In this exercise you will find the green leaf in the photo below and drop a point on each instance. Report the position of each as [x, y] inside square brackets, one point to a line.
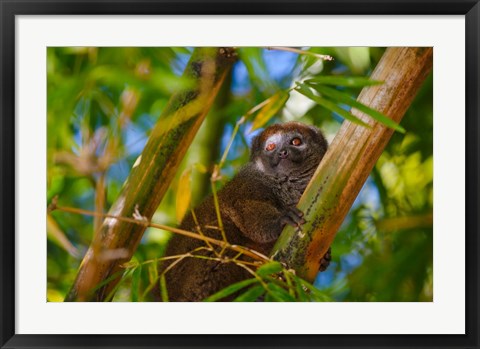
[347, 99]
[152, 278]
[304, 90]
[163, 288]
[269, 298]
[227, 291]
[302, 295]
[307, 62]
[269, 268]
[251, 295]
[55, 187]
[136, 283]
[314, 293]
[110, 296]
[276, 102]
[359, 58]
[153, 272]
[344, 81]
[279, 294]
[122, 274]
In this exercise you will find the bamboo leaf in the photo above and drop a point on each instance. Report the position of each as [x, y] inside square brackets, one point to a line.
[301, 292]
[288, 279]
[344, 81]
[121, 275]
[163, 288]
[303, 287]
[269, 298]
[269, 268]
[304, 90]
[315, 293]
[227, 291]
[277, 101]
[251, 295]
[153, 278]
[279, 294]
[111, 294]
[347, 99]
[153, 272]
[184, 194]
[137, 273]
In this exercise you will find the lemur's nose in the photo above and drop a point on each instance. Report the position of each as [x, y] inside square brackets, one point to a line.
[283, 153]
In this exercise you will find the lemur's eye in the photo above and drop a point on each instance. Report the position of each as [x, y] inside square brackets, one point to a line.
[296, 142]
[270, 146]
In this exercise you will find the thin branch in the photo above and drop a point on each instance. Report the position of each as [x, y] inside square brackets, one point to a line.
[248, 252]
[219, 216]
[301, 52]
[199, 230]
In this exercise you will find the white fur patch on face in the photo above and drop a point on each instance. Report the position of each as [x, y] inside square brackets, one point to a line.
[259, 165]
[275, 138]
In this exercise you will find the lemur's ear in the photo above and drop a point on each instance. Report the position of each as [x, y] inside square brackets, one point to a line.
[255, 146]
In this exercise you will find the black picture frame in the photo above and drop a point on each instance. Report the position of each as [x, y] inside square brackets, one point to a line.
[11, 8]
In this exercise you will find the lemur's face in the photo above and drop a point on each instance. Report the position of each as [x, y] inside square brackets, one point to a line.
[288, 149]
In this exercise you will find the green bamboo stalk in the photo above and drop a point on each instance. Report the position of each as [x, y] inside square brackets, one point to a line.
[151, 174]
[350, 159]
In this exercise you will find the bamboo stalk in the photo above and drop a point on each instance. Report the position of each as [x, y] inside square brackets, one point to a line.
[350, 159]
[152, 173]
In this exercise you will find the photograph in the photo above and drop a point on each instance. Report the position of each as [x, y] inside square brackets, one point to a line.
[239, 174]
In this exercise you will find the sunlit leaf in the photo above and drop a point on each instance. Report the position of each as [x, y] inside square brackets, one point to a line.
[359, 57]
[184, 194]
[347, 81]
[130, 265]
[269, 268]
[304, 90]
[356, 58]
[276, 102]
[227, 291]
[347, 99]
[54, 296]
[55, 185]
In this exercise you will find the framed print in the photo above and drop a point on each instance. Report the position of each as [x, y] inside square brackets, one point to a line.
[193, 174]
